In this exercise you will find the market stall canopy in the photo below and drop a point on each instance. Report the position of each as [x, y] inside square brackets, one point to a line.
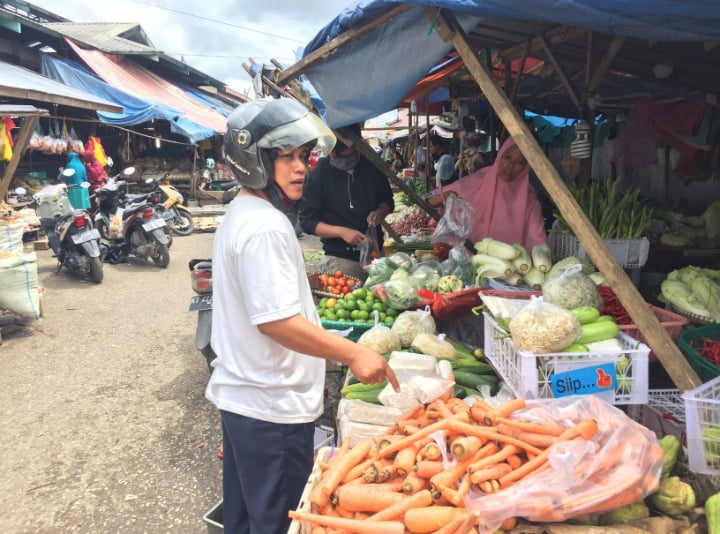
[21, 83]
[374, 72]
[122, 72]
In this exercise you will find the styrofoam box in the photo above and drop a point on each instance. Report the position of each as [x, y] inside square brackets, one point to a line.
[52, 200]
[629, 253]
[702, 413]
[529, 375]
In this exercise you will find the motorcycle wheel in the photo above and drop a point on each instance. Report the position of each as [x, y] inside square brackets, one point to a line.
[182, 222]
[96, 270]
[209, 356]
[102, 227]
[161, 256]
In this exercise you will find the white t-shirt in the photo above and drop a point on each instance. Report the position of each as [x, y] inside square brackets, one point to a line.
[259, 276]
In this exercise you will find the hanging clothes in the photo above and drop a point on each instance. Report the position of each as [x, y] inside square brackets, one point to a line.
[95, 144]
[6, 140]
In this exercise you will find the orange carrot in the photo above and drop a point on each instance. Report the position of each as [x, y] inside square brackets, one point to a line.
[487, 434]
[442, 424]
[456, 496]
[533, 438]
[420, 499]
[442, 408]
[428, 468]
[317, 529]
[432, 451]
[490, 473]
[339, 468]
[452, 526]
[514, 460]
[342, 512]
[357, 471]
[360, 526]
[383, 441]
[414, 483]
[468, 524]
[494, 458]
[465, 445]
[546, 427]
[504, 410]
[508, 524]
[431, 518]
[405, 460]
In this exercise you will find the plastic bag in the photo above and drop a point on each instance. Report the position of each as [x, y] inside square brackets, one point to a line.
[400, 293]
[459, 263]
[369, 248]
[571, 288]
[543, 327]
[410, 323]
[379, 271]
[621, 461]
[455, 225]
[380, 338]
[426, 276]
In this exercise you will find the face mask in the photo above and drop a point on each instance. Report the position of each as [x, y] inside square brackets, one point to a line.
[345, 164]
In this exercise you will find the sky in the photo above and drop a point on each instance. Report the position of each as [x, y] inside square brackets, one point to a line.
[216, 36]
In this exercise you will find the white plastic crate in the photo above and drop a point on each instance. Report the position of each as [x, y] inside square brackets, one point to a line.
[529, 375]
[702, 418]
[663, 414]
[629, 253]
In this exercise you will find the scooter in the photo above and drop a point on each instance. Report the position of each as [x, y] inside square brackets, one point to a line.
[168, 203]
[201, 282]
[129, 228]
[71, 234]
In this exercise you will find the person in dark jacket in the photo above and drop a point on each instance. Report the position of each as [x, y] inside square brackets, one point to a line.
[343, 196]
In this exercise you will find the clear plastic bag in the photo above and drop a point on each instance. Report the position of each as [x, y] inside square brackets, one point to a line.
[400, 293]
[459, 263]
[570, 288]
[369, 248]
[542, 327]
[455, 225]
[410, 323]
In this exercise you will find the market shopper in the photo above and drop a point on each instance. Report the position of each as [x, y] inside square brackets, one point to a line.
[268, 378]
[95, 172]
[79, 196]
[344, 195]
[506, 206]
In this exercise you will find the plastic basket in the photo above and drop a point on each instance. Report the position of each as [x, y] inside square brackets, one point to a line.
[529, 375]
[671, 322]
[690, 341]
[663, 414]
[702, 417]
[629, 253]
[316, 285]
[692, 317]
[302, 527]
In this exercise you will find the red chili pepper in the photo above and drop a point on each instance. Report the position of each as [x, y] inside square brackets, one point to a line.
[611, 306]
[710, 350]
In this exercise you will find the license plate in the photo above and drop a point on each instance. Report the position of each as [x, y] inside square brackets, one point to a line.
[201, 302]
[85, 236]
[153, 224]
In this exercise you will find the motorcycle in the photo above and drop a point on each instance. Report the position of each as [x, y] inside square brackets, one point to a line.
[201, 282]
[71, 234]
[129, 225]
[168, 203]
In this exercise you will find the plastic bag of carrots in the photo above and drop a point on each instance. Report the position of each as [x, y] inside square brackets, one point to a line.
[449, 466]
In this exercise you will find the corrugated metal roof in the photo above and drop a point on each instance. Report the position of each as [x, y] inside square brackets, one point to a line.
[21, 83]
[122, 38]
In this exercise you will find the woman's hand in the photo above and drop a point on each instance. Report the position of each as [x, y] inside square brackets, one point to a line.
[441, 199]
[351, 236]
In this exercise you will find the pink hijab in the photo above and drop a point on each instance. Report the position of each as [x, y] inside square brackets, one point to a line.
[507, 211]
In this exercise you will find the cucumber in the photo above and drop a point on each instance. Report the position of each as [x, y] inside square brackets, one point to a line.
[472, 380]
[360, 388]
[463, 350]
[576, 347]
[476, 367]
[608, 318]
[598, 331]
[367, 396]
[586, 314]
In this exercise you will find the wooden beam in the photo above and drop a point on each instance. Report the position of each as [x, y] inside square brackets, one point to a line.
[604, 65]
[352, 35]
[659, 340]
[21, 143]
[557, 35]
[561, 74]
[41, 96]
[521, 73]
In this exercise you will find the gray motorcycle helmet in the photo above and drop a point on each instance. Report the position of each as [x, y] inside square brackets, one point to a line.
[256, 128]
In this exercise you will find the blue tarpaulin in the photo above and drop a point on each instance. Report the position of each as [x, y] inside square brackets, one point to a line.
[372, 75]
[135, 110]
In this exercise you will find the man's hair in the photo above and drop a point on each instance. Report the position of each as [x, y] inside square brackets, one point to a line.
[435, 139]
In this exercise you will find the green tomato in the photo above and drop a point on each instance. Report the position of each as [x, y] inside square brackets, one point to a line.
[360, 293]
[354, 314]
[323, 302]
[331, 316]
[342, 314]
[390, 320]
[370, 298]
[363, 315]
[351, 303]
[378, 306]
[363, 306]
[391, 312]
[383, 317]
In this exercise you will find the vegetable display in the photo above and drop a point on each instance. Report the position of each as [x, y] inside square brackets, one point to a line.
[694, 290]
[511, 263]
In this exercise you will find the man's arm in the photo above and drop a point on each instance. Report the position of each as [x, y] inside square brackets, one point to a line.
[298, 334]
[349, 235]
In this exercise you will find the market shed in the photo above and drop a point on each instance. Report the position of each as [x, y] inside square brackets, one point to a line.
[600, 57]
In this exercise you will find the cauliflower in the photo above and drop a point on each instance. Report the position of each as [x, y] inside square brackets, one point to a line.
[381, 339]
[449, 284]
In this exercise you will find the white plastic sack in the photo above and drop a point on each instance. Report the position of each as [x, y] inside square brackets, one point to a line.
[19, 284]
[11, 237]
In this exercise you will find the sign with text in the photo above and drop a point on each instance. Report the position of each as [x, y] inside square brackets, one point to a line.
[584, 381]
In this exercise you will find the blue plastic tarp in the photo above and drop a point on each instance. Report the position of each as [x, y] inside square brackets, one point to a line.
[135, 110]
[372, 75]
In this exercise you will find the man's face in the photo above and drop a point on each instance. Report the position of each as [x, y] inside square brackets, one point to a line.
[290, 171]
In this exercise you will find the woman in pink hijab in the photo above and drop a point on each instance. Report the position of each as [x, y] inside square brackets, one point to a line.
[506, 206]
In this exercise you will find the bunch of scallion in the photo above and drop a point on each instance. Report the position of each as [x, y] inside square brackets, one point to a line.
[615, 213]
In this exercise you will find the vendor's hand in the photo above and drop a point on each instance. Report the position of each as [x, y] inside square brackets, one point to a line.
[373, 218]
[369, 367]
[352, 237]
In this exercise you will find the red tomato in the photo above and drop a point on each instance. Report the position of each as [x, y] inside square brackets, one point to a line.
[345, 290]
[332, 281]
[341, 282]
[335, 291]
[339, 274]
[324, 279]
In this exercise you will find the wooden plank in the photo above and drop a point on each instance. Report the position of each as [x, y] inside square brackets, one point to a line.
[557, 35]
[604, 65]
[659, 340]
[21, 143]
[352, 35]
[561, 74]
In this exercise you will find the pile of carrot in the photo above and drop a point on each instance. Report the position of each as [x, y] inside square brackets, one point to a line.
[409, 480]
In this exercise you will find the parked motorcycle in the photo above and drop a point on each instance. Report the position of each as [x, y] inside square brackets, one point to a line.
[201, 281]
[168, 203]
[129, 228]
[71, 234]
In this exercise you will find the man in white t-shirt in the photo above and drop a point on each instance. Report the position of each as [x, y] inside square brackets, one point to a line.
[268, 377]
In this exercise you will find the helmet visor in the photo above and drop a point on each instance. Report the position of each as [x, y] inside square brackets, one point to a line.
[298, 132]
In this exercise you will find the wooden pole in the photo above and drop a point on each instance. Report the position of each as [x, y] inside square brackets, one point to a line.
[659, 340]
